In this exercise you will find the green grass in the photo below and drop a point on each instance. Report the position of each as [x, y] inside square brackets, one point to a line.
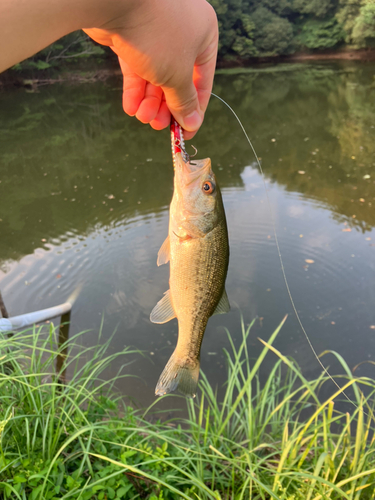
[78, 440]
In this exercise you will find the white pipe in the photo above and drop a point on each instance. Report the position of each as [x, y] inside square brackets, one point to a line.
[28, 319]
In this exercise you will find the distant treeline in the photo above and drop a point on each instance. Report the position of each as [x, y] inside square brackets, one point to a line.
[252, 29]
[261, 28]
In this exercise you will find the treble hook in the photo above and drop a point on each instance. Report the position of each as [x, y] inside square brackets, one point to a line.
[178, 143]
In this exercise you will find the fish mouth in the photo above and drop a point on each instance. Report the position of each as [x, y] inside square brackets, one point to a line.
[191, 170]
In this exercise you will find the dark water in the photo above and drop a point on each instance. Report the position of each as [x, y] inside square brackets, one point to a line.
[84, 195]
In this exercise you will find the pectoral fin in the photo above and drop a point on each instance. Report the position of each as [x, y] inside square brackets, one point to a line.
[164, 252]
[223, 305]
[163, 311]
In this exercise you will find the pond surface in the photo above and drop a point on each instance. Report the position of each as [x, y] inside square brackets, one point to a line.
[84, 196]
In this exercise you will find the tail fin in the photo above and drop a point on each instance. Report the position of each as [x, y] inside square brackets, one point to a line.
[181, 374]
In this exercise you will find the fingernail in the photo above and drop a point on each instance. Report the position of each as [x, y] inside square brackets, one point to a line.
[193, 121]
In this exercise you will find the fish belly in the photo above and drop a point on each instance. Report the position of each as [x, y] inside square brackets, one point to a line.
[197, 279]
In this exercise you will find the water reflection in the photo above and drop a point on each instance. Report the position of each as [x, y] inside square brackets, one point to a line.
[63, 348]
[85, 191]
[314, 127]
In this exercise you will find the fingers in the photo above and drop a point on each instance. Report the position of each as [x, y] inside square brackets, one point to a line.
[144, 100]
[154, 105]
[163, 118]
[203, 76]
[133, 89]
[203, 81]
[188, 101]
[169, 73]
[183, 104]
[149, 107]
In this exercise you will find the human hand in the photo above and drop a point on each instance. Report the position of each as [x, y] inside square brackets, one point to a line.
[167, 51]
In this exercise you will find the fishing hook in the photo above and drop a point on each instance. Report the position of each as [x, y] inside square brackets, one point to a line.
[178, 143]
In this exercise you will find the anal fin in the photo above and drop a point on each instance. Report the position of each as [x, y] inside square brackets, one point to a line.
[223, 305]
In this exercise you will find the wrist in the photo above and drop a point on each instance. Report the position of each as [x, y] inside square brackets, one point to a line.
[113, 15]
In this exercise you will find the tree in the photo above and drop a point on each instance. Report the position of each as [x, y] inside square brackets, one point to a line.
[235, 27]
[363, 33]
[280, 7]
[273, 34]
[321, 34]
[317, 8]
[346, 14]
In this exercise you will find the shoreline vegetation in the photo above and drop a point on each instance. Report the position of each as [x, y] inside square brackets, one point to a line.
[252, 32]
[283, 438]
[75, 73]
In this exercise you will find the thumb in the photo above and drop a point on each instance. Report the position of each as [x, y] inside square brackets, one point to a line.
[184, 105]
[188, 103]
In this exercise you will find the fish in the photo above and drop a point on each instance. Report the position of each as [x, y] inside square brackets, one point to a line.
[197, 248]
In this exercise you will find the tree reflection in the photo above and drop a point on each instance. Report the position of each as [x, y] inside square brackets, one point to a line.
[314, 128]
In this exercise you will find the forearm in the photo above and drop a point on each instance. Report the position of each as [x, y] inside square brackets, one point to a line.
[27, 26]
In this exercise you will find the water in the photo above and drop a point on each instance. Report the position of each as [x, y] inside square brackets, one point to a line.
[85, 191]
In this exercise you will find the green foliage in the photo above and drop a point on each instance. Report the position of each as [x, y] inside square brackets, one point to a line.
[279, 7]
[316, 8]
[346, 14]
[252, 28]
[321, 34]
[243, 44]
[53, 435]
[271, 440]
[364, 27]
[235, 27]
[273, 34]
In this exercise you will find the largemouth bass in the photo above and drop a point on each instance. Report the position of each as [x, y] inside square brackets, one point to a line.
[198, 250]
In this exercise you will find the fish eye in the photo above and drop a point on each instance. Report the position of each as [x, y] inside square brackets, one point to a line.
[208, 187]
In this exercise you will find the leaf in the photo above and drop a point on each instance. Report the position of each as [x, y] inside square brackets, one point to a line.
[70, 482]
[98, 487]
[121, 492]
[19, 479]
[111, 492]
[35, 493]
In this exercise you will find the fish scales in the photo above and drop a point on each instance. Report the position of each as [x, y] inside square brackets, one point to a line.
[198, 270]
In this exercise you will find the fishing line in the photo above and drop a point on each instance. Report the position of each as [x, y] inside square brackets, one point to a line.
[280, 258]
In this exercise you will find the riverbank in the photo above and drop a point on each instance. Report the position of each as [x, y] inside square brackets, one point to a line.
[73, 74]
[364, 55]
[79, 440]
[77, 73]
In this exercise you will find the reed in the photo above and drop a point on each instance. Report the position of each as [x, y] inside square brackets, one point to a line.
[277, 439]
